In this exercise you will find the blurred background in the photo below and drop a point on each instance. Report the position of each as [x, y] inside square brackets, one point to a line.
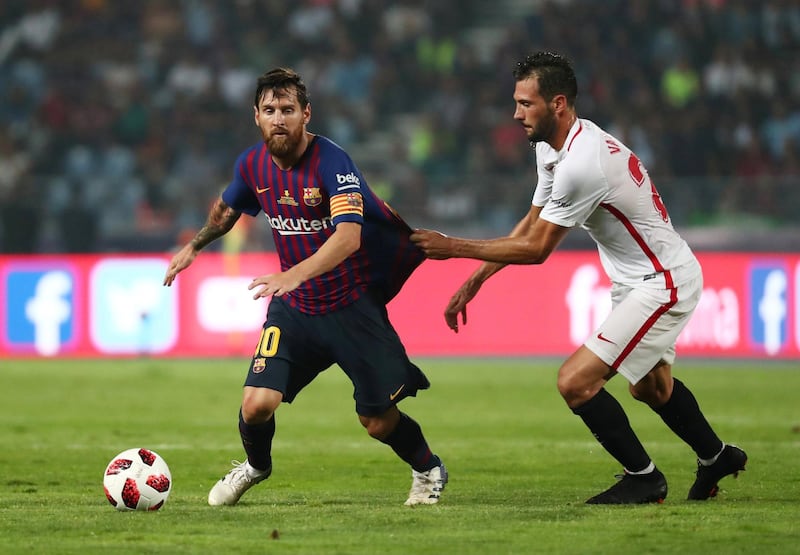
[120, 121]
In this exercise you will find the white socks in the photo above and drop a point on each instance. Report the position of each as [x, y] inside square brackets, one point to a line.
[252, 472]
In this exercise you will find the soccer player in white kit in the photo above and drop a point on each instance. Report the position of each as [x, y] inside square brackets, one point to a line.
[590, 179]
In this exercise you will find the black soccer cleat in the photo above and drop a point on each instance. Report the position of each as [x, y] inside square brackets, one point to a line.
[730, 461]
[634, 489]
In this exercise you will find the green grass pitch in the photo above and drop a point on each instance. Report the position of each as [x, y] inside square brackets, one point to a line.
[520, 464]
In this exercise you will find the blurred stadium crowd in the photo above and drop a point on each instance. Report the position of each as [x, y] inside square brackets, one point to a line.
[120, 121]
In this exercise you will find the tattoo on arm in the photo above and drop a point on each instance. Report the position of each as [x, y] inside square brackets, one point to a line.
[220, 221]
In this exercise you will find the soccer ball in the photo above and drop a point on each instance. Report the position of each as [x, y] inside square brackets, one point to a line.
[137, 480]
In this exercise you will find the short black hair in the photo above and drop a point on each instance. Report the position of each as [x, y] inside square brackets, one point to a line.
[281, 80]
[554, 73]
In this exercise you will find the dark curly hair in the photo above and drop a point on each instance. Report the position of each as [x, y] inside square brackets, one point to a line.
[554, 73]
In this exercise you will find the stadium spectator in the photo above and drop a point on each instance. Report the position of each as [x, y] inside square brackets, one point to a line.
[20, 218]
[77, 225]
[680, 84]
[88, 73]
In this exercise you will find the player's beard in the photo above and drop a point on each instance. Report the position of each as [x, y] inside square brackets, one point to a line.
[544, 129]
[284, 144]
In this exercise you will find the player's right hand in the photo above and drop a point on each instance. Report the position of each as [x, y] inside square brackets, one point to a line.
[182, 259]
[434, 244]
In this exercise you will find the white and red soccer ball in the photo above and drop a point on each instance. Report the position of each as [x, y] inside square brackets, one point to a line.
[137, 480]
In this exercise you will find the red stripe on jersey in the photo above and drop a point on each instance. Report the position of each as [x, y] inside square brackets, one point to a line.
[260, 164]
[638, 238]
[322, 288]
[251, 177]
[578, 132]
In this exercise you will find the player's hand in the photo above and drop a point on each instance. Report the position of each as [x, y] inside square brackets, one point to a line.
[274, 284]
[458, 304]
[434, 244]
[182, 259]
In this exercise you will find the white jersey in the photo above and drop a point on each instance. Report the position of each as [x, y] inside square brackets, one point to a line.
[596, 182]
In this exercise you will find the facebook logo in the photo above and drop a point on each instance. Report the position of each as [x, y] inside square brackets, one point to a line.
[769, 307]
[40, 310]
[131, 312]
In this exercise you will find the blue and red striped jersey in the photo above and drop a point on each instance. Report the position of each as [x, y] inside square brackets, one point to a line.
[303, 205]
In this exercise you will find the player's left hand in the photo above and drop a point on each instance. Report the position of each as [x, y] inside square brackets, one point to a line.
[434, 244]
[273, 284]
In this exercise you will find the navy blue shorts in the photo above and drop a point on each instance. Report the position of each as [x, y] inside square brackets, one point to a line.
[295, 347]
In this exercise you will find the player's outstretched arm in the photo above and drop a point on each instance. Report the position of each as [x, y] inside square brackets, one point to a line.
[531, 242]
[345, 241]
[220, 221]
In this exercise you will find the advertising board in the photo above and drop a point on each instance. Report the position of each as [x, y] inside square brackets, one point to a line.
[116, 305]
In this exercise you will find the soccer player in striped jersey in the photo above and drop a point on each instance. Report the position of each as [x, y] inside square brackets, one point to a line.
[344, 254]
[589, 178]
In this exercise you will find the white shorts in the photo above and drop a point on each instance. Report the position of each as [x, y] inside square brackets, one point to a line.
[644, 324]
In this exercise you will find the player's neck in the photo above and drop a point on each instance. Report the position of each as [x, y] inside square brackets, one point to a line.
[288, 161]
[563, 129]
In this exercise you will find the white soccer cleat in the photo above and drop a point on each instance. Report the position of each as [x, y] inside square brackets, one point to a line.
[233, 485]
[427, 486]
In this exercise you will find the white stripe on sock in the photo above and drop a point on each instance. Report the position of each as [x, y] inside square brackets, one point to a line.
[650, 467]
[712, 460]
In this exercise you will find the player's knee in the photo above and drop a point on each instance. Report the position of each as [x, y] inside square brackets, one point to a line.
[647, 391]
[655, 388]
[573, 390]
[378, 427]
[253, 413]
[639, 392]
[375, 427]
[581, 376]
[258, 406]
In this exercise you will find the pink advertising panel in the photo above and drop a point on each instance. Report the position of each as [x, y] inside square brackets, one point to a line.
[116, 305]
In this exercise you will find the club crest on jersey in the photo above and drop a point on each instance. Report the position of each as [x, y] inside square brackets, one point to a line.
[286, 198]
[259, 365]
[312, 196]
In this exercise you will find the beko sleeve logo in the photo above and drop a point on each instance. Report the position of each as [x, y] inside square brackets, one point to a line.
[347, 179]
